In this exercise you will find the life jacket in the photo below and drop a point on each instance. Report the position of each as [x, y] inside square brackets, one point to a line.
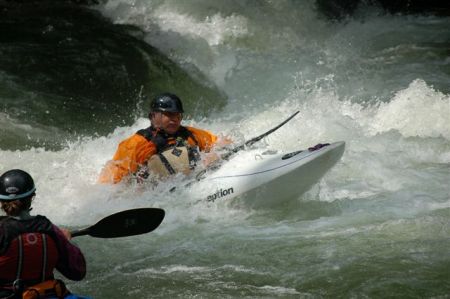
[28, 251]
[174, 154]
[53, 288]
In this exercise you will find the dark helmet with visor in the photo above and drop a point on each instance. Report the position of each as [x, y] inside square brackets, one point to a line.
[16, 184]
[166, 102]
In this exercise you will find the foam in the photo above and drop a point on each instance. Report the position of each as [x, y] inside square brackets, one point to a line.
[418, 110]
[214, 30]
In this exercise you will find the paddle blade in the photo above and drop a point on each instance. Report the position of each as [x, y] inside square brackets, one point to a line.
[125, 223]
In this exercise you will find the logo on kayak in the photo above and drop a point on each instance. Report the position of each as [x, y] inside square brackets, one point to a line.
[220, 193]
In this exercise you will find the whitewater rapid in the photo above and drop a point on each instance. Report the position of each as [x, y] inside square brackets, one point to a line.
[378, 221]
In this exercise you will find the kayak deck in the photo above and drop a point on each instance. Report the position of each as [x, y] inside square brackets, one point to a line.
[270, 178]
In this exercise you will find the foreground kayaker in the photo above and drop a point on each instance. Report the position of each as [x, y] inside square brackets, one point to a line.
[164, 148]
[31, 247]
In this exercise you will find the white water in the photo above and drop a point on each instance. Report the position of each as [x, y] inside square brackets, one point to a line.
[389, 147]
[378, 82]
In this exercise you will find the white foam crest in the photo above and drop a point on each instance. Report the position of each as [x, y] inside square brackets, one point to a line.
[7, 121]
[377, 160]
[196, 269]
[68, 193]
[280, 290]
[66, 179]
[418, 110]
[213, 29]
[15, 127]
[190, 37]
[174, 269]
[128, 11]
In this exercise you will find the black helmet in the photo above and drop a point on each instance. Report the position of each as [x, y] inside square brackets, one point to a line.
[166, 102]
[16, 184]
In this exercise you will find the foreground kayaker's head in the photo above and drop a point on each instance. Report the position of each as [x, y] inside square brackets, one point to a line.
[166, 112]
[17, 189]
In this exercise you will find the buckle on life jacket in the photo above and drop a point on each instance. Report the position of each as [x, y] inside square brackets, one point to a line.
[176, 152]
[54, 287]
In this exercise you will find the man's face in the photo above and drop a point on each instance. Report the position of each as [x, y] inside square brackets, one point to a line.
[167, 121]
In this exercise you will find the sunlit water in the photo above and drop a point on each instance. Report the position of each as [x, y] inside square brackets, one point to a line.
[377, 225]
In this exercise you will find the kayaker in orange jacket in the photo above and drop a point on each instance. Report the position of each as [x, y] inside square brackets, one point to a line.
[164, 143]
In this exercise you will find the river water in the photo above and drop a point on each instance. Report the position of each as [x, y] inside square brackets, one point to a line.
[376, 226]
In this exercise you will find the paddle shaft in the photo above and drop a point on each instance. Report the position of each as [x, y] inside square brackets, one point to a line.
[250, 142]
[256, 139]
[226, 156]
[80, 232]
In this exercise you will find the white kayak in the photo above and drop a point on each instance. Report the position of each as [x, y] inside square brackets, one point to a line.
[268, 178]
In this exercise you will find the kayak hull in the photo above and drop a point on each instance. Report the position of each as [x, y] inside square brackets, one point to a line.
[270, 179]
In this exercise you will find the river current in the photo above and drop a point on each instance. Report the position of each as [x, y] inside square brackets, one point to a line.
[376, 226]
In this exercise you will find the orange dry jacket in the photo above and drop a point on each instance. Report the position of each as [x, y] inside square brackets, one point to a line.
[136, 150]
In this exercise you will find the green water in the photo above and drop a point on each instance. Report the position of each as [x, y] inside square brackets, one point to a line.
[377, 225]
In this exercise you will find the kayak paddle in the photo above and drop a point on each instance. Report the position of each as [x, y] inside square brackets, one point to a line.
[125, 223]
[231, 152]
[250, 142]
[256, 139]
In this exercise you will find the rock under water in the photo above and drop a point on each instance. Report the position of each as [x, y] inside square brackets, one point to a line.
[64, 65]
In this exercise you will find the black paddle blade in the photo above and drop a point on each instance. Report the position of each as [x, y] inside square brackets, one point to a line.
[125, 223]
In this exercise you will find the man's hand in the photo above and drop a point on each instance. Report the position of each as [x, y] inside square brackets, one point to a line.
[209, 158]
[66, 233]
[223, 141]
